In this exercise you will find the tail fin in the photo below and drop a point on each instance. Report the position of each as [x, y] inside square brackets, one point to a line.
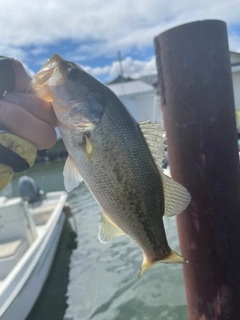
[172, 257]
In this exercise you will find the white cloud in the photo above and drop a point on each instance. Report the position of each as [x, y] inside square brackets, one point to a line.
[112, 24]
[234, 43]
[103, 28]
[131, 68]
[13, 51]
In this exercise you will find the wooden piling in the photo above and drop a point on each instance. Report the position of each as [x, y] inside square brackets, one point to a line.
[199, 117]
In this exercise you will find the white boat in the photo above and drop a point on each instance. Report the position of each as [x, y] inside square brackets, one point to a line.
[28, 242]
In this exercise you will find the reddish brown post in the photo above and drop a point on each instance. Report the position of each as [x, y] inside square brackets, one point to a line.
[198, 108]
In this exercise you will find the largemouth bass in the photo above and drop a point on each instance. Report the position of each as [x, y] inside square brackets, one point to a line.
[119, 159]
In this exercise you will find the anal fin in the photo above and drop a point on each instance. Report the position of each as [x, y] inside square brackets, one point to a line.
[108, 229]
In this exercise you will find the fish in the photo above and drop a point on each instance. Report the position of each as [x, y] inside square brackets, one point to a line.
[119, 159]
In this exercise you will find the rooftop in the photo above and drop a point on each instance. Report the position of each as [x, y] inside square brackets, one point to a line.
[131, 87]
[120, 79]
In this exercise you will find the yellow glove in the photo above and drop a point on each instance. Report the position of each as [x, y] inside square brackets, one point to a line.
[16, 154]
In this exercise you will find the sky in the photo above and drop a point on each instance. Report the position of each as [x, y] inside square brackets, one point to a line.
[91, 32]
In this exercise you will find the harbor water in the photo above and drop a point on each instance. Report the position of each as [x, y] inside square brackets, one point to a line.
[102, 280]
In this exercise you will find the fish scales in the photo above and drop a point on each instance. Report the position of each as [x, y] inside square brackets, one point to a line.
[127, 183]
[108, 150]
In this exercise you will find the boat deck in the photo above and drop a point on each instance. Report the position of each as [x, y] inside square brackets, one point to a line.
[42, 214]
[11, 251]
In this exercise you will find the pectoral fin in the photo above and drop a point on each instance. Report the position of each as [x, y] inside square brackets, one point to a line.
[72, 177]
[88, 148]
[172, 257]
[108, 229]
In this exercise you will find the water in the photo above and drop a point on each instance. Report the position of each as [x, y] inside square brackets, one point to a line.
[159, 294]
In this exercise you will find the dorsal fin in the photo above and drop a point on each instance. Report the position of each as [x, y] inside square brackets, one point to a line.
[155, 137]
[176, 197]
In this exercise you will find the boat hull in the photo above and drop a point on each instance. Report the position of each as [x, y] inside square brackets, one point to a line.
[33, 274]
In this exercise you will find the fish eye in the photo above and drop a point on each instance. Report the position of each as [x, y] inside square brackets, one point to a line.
[73, 73]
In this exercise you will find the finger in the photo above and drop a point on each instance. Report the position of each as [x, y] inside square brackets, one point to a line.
[22, 78]
[39, 108]
[24, 124]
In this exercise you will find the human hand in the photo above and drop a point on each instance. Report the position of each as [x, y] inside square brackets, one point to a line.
[27, 115]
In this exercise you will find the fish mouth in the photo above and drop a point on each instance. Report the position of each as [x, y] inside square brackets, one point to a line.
[48, 70]
[52, 62]
[47, 76]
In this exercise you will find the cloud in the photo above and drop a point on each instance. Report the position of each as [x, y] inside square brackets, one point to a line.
[109, 24]
[13, 51]
[131, 68]
[234, 43]
[101, 28]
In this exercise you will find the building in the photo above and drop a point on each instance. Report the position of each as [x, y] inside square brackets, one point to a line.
[140, 98]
